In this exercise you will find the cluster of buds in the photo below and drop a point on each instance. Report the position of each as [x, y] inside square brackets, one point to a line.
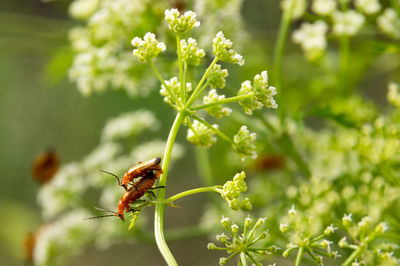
[200, 135]
[363, 234]
[231, 192]
[302, 238]
[191, 53]
[244, 143]
[181, 23]
[216, 78]
[245, 243]
[148, 47]
[222, 50]
[217, 110]
[259, 95]
[173, 86]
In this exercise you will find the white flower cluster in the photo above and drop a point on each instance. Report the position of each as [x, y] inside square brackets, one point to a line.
[368, 7]
[101, 47]
[311, 37]
[67, 235]
[347, 23]
[218, 111]
[174, 85]
[389, 23]
[259, 95]
[190, 52]
[148, 48]
[65, 189]
[201, 135]
[222, 50]
[297, 7]
[181, 23]
[129, 124]
[324, 7]
[393, 95]
[244, 143]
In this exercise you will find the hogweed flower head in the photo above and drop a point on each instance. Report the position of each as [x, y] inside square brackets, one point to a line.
[244, 143]
[243, 243]
[200, 135]
[222, 49]
[389, 23]
[191, 54]
[181, 23]
[148, 47]
[347, 23]
[216, 78]
[218, 111]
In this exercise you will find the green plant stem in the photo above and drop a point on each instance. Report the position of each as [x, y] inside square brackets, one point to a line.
[227, 100]
[216, 130]
[163, 82]
[278, 55]
[353, 256]
[199, 87]
[182, 83]
[193, 191]
[160, 206]
[299, 256]
[344, 62]
[185, 67]
[243, 258]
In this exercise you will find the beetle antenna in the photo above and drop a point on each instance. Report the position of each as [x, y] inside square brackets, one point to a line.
[100, 209]
[102, 216]
[119, 181]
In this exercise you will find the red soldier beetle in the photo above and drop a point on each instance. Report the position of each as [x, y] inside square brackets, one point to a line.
[141, 169]
[139, 188]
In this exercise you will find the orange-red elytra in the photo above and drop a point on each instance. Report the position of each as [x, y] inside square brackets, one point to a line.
[141, 169]
[136, 191]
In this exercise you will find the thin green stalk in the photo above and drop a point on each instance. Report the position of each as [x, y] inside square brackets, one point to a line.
[163, 82]
[193, 191]
[227, 100]
[160, 206]
[216, 130]
[353, 256]
[185, 72]
[180, 65]
[199, 86]
[299, 256]
[278, 55]
[344, 62]
[243, 258]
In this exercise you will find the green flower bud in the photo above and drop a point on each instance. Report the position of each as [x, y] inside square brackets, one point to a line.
[223, 261]
[218, 111]
[211, 246]
[202, 136]
[244, 143]
[346, 220]
[330, 230]
[216, 78]
[234, 228]
[284, 228]
[343, 242]
[222, 237]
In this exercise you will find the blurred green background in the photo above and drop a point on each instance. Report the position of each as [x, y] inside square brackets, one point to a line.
[41, 109]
